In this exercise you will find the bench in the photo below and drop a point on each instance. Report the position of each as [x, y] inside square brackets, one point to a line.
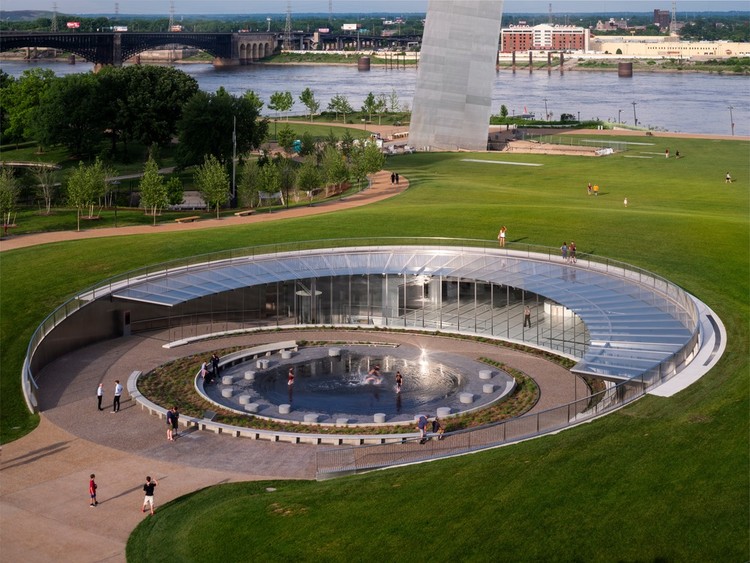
[187, 219]
[244, 213]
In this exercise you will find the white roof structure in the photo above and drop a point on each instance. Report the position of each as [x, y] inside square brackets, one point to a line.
[636, 321]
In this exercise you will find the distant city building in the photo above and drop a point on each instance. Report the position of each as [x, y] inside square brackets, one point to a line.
[611, 25]
[667, 47]
[351, 26]
[662, 18]
[544, 37]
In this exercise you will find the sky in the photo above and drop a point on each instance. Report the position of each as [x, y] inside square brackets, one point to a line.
[396, 7]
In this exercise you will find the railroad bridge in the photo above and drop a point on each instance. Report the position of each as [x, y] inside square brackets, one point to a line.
[228, 49]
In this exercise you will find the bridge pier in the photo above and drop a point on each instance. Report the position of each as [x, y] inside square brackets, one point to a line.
[225, 62]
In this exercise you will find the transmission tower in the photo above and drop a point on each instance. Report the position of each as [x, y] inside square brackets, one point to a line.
[53, 26]
[673, 23]
[117, 9]
[550, 13]
[330, 12]
[171, 14]
[288, 27]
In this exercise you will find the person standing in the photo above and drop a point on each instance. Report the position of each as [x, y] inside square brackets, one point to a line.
[92, 491]
[171, 423]
[589, 188]
[526, 317]
[564, 251]
[596, 189]
[625, 202]
[393, 178]
[501, 236]
[728, 178]
[118, 393]
[399, 381]
[572, 252]
[666, 153]
[290, 377]
[100, 396]
[397, 178]
[215, 364]
[148, 500]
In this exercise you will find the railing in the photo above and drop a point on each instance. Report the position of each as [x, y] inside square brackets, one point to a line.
[346, 460]
[683, 306]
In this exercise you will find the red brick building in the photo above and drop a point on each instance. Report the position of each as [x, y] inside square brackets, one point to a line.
[544, 38]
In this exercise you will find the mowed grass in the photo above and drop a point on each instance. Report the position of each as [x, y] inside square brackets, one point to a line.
[663, 479]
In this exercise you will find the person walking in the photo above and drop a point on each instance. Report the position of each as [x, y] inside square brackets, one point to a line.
[100, 396]
[564, 251]
[526, 317]
[92, 491]
[393, 178]
[728, 178]
[148, 499]
[118, 393]
[666, 153]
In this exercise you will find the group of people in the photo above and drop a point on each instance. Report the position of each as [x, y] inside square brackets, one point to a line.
[424, 426]
[395, 178]
[115, 401]
[148, 489]
[208, 375]
[568, 252]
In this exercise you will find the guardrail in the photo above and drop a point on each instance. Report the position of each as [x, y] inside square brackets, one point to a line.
[684, 308]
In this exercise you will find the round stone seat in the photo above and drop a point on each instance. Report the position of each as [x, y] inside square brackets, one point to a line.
[466, 398]
[488, 388]
[227, 392]
[311, 417]
[485, 374]
[379, 417]
[285, 409]
[227, 379]
[442, 412]
[263, 363]
[245, 399]
[252, 407]
[342, 421]
[250, 375]
[334, 352]
[286, 354]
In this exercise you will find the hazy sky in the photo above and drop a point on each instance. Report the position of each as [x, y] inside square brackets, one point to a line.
[366, 6]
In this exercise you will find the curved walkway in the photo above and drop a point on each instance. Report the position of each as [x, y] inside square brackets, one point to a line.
[380, 188]
[44, 513]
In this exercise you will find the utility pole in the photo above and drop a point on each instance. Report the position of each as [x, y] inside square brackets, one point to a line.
[171, 15]
[731, 119]
[288, 27]
[234, 161]
[635, 118]
[53, 26]
[619, 113]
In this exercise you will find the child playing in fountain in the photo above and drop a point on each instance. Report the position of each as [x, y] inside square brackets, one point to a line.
[373, 376]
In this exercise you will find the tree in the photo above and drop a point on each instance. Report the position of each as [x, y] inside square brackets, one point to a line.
[247, 185]
[69, 114]
[208, 127]
[269, 179]
[281, 102]
[335, 170]
[85, 185]
[175, 190]
[286, 138]
[503, 111]
[308, 177]
[369, 106]
[347, 144]
[254, 100]
[19, 98]
[366, 159]
[308, 99]
[308, 145]
[212, 181]
[287, 175]
[381, 106]
[8, 194]
[154, 194]
[393, 101]
[45, 177]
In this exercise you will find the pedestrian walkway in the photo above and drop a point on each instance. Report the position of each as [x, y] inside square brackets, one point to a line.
[44, 503]
[379, 188]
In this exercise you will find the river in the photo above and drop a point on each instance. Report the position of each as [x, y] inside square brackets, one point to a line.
[688, 103]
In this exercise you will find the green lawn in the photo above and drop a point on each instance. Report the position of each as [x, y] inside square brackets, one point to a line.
[663, 479]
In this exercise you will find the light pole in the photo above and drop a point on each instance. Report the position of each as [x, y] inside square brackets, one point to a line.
[619, 113]
[635, 118]
[546, 111]
[268, 25]
[234, 161]
[731, 119]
